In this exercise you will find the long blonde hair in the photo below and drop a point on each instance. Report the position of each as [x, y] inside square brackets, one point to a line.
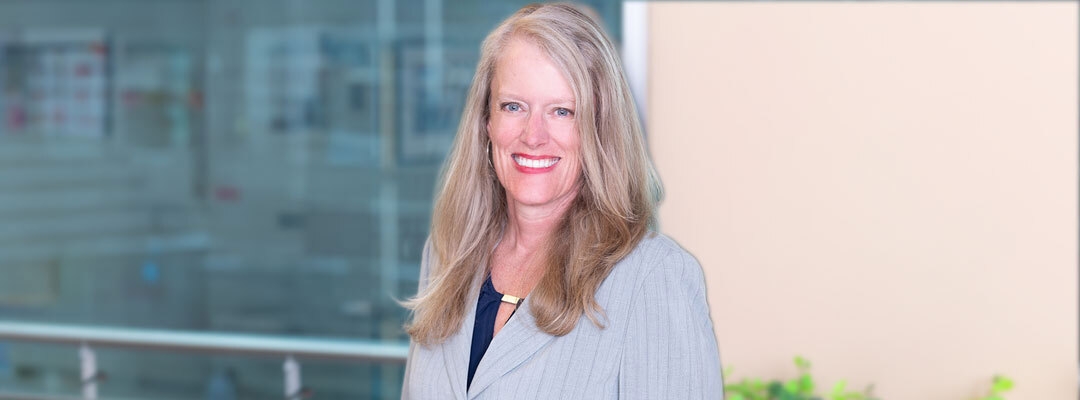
[616, 202]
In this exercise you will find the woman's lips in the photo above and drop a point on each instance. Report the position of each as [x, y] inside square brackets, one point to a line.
[534, 164]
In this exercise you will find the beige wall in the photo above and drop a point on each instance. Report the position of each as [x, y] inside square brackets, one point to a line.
[889, 189]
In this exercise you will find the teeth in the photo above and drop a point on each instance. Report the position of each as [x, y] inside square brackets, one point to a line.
[525, 162]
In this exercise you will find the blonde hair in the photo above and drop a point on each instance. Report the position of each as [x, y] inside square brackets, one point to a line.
[617, 197]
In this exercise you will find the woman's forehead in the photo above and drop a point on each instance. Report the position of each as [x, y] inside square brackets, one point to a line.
[524, 69]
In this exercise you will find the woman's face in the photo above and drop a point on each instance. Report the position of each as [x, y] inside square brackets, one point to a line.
[534, 139]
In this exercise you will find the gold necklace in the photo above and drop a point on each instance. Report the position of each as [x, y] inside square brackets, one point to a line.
[507, 298]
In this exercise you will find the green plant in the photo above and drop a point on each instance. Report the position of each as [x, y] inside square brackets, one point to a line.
[803, 388]
[800, 388]
[999, 385]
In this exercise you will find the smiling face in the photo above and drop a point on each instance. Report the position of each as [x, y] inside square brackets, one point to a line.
[534, 138]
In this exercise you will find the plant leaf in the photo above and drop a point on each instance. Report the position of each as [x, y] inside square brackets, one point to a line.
[775, 389]
[838, 389]
[802, 363]
[1002, 384]
[806, 385]
[792, 386]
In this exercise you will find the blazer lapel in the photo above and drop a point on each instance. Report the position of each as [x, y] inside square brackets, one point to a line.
[456, 350]
[518, 340]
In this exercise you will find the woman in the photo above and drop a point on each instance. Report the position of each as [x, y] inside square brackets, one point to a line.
[541, 278]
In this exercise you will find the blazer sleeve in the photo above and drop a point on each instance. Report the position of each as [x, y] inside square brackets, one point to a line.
[425, 270]
[670, 347]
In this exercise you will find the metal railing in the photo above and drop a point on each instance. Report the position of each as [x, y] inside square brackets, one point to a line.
[86, 338]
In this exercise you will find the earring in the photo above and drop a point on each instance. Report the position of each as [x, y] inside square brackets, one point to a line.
[490, 164]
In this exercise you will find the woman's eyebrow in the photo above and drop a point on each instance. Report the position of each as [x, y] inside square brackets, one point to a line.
[508, 95]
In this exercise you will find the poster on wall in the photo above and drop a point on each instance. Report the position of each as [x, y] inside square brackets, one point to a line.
[65, 91]
[349, 84]
[30, 285]
[154, 90]
[315, 80]
[281, 81]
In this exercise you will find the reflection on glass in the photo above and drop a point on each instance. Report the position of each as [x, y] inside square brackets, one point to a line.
[232, 165]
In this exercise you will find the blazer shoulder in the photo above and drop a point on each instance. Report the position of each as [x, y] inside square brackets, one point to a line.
[657, 253]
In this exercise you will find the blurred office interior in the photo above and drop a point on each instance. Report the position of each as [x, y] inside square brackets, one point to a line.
[260, 167]
[885, 188]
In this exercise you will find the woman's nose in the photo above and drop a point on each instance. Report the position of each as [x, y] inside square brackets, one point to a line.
[535, 133]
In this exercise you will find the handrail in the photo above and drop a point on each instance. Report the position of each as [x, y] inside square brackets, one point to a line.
[206, 342]
[4, 395]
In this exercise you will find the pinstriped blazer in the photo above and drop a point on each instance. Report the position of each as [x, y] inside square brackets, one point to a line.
[657, 343]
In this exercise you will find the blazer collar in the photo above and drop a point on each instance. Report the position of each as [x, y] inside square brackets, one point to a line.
[518, 340]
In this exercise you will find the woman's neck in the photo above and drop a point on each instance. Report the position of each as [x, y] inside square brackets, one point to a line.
[529, 227]
[518, 260]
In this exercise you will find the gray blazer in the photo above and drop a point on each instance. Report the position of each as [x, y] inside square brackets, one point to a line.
[657, 343]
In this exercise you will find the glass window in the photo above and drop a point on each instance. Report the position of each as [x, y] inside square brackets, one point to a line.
[251, 166]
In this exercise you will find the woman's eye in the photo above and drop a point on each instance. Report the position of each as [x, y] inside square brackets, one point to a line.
[512, 107]
[562, 112]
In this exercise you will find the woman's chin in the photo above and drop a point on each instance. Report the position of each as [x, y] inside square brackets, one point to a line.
[532, 201]
[541, 200]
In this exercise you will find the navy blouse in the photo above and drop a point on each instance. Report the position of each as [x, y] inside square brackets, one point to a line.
[487, 308]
